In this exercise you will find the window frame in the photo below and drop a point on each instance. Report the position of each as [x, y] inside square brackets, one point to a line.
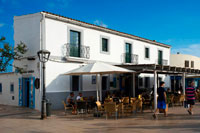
[12, 84]
[146, 87]
[146, 47]
[188, 63]
[192, 64]
[101, 44]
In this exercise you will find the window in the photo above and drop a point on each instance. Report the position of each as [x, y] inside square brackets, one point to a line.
[192, 64]
[12, 88]
[104, 45]
[0, 88]
[147, 82]
[147, 53]
[93, 79]
[160, 57]
[128, 53]
[75, 39]
[140, 81]
[186, 63]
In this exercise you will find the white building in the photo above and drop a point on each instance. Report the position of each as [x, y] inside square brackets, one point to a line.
[71, 43]
[183, 60]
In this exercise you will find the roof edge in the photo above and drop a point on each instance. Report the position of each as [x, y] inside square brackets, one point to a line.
[100, 28]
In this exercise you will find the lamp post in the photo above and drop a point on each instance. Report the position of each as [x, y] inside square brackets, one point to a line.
[43, 57]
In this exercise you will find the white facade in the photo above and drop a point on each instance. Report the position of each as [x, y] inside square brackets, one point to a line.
[178, 60]
[7, 96]
[52, 32]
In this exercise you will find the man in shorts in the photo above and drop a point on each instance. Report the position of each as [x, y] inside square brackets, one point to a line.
[190, 95]
[162, 98]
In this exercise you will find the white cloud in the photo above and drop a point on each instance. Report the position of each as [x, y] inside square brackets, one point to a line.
[58, 4]
[1, 25]
[193, 49]
[100, 23]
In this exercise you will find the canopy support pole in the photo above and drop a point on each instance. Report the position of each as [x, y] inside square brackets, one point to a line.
[133, 84]
[97, 86]
[155, 90]
[183, 83]
[100, 87]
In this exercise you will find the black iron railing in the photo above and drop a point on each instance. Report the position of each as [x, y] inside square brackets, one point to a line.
[73, 50]
[162, 62]
[129, 58]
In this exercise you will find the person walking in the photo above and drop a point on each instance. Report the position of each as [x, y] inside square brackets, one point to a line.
[190, 95]
[162, 99]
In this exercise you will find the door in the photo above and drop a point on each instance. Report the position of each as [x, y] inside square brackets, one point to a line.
[74, 43]
[160, 57]
[27, 92]
[31, 92]
[104, 83]
[75, 83]
[20, 92]
[128, 53]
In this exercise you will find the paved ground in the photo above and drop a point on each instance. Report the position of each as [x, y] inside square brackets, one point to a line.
[23, 120]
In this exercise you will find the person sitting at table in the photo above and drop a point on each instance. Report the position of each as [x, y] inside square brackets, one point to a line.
[71, 102]
[79, 97]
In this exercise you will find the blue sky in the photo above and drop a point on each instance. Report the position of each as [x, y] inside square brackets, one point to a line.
[174, 22]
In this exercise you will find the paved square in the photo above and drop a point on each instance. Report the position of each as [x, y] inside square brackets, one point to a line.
[23, 120]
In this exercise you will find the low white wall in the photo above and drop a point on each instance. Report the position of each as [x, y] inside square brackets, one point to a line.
[6, 96]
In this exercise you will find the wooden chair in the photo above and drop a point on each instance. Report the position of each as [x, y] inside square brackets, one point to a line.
[66, 108]
[179, 99]
[121, 109]
[125, 100]
[139, 103]
[111, 108]
[81, 107]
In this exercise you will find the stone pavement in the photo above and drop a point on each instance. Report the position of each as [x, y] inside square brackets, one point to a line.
[23, 120]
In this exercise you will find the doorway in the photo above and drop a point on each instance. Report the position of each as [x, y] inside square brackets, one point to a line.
[104, 83]
[27, 92]
[75, 83]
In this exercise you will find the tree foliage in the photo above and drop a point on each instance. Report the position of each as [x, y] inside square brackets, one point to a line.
[8, 53]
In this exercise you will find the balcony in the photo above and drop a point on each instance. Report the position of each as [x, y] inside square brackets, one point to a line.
[162, 62]
[129, 58]
[77, 51]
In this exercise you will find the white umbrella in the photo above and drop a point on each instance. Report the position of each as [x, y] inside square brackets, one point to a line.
[98, 68]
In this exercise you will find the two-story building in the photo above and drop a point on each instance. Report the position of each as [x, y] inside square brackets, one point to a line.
[72, 43]
[185, 61]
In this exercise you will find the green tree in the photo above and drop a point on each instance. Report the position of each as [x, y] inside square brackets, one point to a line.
[9, 53]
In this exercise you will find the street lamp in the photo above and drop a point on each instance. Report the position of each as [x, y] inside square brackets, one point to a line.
[43, 57]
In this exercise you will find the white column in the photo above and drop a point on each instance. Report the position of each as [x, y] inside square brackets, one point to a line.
[155, 90]
[97, 87]
[133, 84]
[100, 87]
[183, 83]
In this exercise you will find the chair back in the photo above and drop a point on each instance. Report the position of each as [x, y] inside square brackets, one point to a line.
[65, 105]
[126, 100]
[110, 107]
[120, 107]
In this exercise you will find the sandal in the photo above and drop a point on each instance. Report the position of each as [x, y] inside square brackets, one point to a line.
[190, 113]
[154, 116]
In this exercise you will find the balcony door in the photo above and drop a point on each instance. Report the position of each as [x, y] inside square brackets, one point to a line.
[75, 40]
[160, 57]
[128, 51]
